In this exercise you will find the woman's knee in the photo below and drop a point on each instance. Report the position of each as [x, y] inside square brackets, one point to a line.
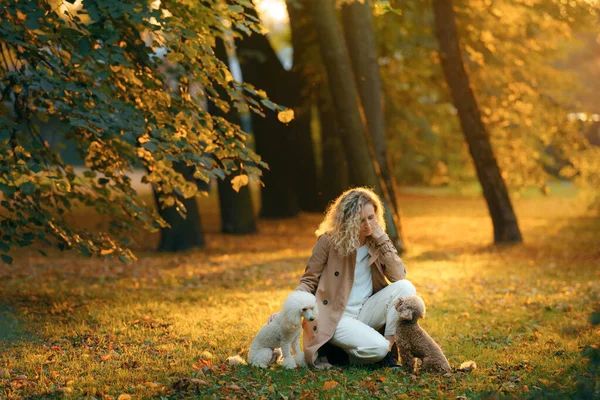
[382, 349]
[371, 349]
[374, 351]
[404, 288]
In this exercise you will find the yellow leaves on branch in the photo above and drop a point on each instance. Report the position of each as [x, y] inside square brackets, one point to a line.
[145, 138]
[286, 116]
[144, 154]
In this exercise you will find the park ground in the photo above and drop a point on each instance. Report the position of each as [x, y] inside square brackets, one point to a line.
[164, 326]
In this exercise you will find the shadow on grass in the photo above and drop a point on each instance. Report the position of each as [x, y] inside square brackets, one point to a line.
[11, 330]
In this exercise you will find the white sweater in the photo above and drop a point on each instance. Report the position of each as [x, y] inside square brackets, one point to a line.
[362, 288]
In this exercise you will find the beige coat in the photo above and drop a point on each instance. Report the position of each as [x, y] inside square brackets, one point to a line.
[330, 276]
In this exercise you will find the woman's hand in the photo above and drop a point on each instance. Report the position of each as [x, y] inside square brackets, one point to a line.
[376, 229]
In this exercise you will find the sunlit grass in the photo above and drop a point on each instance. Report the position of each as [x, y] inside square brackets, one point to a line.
[78, 327]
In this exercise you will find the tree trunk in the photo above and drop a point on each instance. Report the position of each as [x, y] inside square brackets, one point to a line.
[184, 234]
[347, 106]
[237, 213]
[504, 220]
[357, 20]
[307, 185]
[334, 177]
[261, 68]
[307, 188]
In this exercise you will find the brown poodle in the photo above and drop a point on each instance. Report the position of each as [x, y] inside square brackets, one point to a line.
[413, 341]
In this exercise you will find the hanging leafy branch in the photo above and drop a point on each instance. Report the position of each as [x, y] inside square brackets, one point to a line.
[125, 82]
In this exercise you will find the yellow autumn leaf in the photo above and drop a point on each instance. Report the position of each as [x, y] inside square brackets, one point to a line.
[124, 397]
[144, 139]
[239, 181]
[286, 116]
[228, 76]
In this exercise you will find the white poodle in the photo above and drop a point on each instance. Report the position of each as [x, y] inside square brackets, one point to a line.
[284, 331]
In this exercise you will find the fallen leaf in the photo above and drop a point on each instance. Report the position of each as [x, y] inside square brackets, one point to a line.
[236, 360]
[187, 384]
[382, 379]
[124, 396]
[467, 366]
[329, 385]
[233, 386]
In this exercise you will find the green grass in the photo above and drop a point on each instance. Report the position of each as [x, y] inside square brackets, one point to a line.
[75, 327]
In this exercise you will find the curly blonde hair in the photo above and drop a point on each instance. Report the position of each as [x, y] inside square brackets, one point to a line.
[342, 218]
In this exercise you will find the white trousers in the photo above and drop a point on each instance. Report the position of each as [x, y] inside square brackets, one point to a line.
[358, 336]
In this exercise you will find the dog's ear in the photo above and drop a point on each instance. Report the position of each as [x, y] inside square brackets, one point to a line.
[398, 304]
[406, 315]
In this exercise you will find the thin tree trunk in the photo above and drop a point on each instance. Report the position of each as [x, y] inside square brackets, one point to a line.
[237, 213]
[184, 233]
[504, 220]
[305, 168]
[334, 177]
[261, 68]
[307, 185]
[357, 20]
[347, 105]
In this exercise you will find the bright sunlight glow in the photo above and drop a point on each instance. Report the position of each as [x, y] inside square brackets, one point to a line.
[273, 10]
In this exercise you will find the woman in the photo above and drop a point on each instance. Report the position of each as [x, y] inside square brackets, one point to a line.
[347, 273]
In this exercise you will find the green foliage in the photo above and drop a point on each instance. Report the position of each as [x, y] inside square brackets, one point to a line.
[125, 82]
[510, 49]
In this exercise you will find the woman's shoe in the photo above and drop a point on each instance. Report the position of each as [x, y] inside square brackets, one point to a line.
[389, 361]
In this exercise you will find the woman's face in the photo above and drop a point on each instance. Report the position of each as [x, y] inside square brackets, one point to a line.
[367, 220]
